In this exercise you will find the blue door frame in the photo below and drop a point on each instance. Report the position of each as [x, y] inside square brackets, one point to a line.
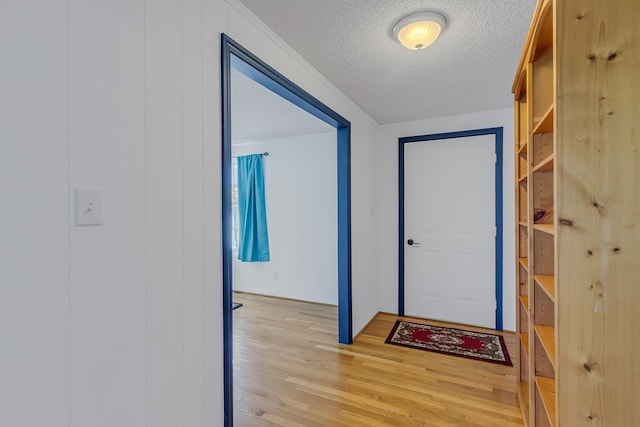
[236, 56]
[497, 132]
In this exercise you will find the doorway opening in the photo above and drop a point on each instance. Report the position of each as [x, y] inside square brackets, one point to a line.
[233, 55]
[497, 133]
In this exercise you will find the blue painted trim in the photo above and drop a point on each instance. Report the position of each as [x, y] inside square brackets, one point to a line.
[499, 220]
[289, 91]
[234, 55]
[498, 134]
[345, 320]
[227, 288]
[401, 229]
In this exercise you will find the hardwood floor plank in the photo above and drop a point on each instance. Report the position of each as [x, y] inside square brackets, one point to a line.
[289, 370]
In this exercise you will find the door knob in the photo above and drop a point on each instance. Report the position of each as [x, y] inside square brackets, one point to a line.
[411, 242]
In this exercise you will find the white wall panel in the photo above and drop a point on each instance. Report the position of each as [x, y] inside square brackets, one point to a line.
[107, 152]
[164, 211]
[105, 325]
[214, 18]
[236, 25]
[301, 207]
[34, 214]
[364, 223]
[192, 140]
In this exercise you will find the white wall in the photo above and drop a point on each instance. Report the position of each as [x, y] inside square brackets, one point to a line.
[121, 324]
[110, 325]
[387, 187]
[301, 187]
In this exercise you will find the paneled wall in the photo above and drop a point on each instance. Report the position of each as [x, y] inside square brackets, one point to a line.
[104, 325]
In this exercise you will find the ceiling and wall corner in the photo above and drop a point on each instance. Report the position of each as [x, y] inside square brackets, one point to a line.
[468, 69]
[259, 114]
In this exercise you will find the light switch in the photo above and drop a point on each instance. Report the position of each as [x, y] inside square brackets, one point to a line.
[88, 207]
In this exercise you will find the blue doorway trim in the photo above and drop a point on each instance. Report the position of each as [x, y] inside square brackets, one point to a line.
[233, 55]
[498, 134]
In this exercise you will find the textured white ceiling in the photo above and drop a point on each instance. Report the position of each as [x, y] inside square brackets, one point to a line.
[259, 114]
[469, 68]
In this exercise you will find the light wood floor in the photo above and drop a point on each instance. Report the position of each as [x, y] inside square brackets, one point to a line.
[290, 371]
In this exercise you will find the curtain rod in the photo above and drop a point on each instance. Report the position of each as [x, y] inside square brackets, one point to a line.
[265, 154]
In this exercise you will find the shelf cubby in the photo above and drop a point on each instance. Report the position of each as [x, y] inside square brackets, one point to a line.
[544, 313]
[522, 149]
[524, 340]
[545, 336]
[546, 393]
[523, 239]
[524, 262]
[522, 164]
[542, 98]
[523, 203]
[546, 283]
[545, 124]
[542, 148]
[542, 192]
[543, 253]
[521, 118]
[546, 165]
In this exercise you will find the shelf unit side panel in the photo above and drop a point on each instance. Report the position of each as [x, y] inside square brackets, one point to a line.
[598, 209]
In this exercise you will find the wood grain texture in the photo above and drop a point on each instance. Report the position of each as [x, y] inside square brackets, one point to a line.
[598, 166]
[289, 370]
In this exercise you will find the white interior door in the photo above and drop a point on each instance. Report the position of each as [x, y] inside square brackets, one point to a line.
[449, 230]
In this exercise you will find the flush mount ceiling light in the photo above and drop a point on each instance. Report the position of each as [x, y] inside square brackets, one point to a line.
[419, 30]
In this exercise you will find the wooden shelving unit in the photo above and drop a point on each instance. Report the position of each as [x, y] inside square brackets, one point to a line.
[577, 173]
[535, 110]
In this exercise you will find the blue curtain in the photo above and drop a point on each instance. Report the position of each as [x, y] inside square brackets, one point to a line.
[253, 237]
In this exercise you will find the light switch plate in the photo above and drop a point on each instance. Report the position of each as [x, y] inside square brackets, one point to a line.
[88, 207]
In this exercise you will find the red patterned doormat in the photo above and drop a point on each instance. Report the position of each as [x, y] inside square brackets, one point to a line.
[456, 342]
